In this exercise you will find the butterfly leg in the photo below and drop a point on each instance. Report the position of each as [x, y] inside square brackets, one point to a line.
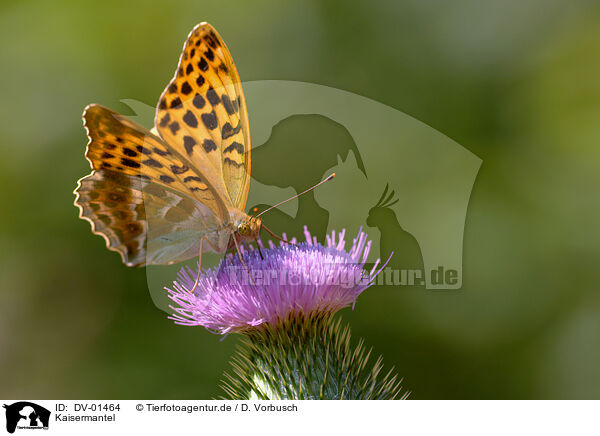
[259, 252]
[237, 247]
[199, 267]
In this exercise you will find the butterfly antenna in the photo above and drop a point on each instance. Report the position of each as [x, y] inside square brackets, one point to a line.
[297, 195]
[276, 236]
[252, 213]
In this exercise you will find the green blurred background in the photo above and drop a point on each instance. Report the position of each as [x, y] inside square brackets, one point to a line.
[515, 82]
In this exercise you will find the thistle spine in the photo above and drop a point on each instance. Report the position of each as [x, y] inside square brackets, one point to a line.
[307, 357]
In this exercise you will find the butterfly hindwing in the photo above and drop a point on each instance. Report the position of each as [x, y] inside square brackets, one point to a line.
[145, 223]
[115, 209]
[203, 113]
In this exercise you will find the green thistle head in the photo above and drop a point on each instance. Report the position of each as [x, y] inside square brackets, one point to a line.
[307, 358]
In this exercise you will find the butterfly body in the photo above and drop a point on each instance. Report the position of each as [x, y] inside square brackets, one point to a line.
[164, 195]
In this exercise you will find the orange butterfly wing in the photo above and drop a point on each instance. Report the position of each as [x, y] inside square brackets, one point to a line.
[203, 110]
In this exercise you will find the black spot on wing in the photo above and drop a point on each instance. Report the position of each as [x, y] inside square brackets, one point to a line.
[209, 145]
[188, 143]
[227, 104]
[210, 120]
[174, 127]
[212, 96]
[200, 80]
[190, 119]
[212, 42]
[199, 101]
[186, 89]
[130, 163]
[166, 179]
[176, 103]
[189, 69]
[192, 179]
[235, 146]
[152, 163]
[129, 152]
[161, 152]
[209, 55]
[179, 170]
[232, 162]
[165, 120]
[203, 65]
[229, 131]
[143, 149]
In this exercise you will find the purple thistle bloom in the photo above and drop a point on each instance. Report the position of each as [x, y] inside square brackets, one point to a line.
[289, 280]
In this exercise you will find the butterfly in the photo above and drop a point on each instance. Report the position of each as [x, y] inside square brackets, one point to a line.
[168, 194]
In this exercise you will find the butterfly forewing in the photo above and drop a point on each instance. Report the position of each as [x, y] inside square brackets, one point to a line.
[203, 112]
[146, 200]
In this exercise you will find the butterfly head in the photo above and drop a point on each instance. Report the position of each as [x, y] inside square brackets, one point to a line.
[250, 228]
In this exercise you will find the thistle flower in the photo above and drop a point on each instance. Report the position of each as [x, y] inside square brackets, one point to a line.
[283, 303]
[306, 278]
